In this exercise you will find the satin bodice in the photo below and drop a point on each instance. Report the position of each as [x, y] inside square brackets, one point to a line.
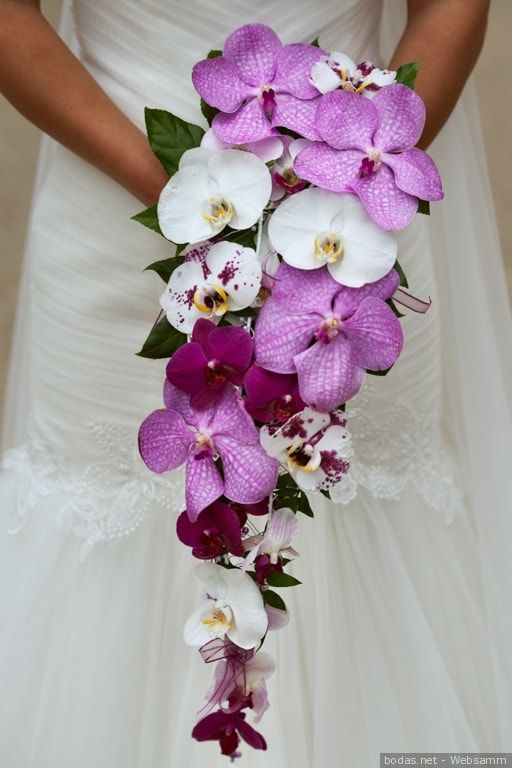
[143, 52]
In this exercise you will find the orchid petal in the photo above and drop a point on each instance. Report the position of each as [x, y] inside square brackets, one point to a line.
[328, 374]
[249, 474]
[293, 68]
[348, 299]
[280, 336]
[328, 168]
[203, 484]
[277, 619]
[297, 115]
[289, 291]
[186, 368]
[195, 632]
[282, 528]
[210, 78]
[164, 441]
[231, 418]
[232, 347]
[416, 173]
[388, 206]
[249, 123]
[178, 299]
[375, 333]
[244, 180]
[179, 206]
[237, 270]
[254, 49]
[401, 115]
[346, 121]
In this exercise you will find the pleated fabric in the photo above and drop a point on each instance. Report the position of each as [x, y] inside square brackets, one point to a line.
[399, 638]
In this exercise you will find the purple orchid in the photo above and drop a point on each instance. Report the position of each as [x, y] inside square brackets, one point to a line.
[205, 365]
[259, 84]
[369, 148]
[180, 434]
[218, 528]
[246, 688]
[327, 333]
[226, 728]
[271, 396]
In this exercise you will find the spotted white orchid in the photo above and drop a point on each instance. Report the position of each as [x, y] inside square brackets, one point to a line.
[211, 190]
[277, 539]
[266, 149]
[214, 279]
[316, 227]
[284, 179]
[233, 607]
[339, 71]
[314, 447]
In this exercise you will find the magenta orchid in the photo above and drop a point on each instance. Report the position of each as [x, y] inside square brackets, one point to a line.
[214, 357]
[227, 728]
[180, 434]
[369, 148]
[218, 529]
[328, 334]
[271, 396]
[259, 84]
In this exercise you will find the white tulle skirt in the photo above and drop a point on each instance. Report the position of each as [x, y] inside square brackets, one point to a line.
[400, 634]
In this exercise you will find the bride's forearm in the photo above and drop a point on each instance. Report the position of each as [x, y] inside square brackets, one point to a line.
[446, 37]
[42, 78]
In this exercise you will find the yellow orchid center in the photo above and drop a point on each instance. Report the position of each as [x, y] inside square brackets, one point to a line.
[218, 619]
[303, 457]
[211, 300]
[328, 247]
[219, 212]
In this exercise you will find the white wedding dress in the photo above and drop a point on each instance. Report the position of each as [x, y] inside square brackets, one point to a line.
[400, 636]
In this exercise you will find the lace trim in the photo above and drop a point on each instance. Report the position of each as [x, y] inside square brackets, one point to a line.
[398, 449]
[110, 499]
[107, 500]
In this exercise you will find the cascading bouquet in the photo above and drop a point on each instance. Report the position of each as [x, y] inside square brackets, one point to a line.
[280, 297]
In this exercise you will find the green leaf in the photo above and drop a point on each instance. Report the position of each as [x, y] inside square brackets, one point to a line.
[208, 112]
[165, 267]
[407, 74]
[214, 53]
[316, 42]
[149, 219]
[245, 237]
[169, 136]
[401, 274]
[163, 341]
[277, 579]
[424, 207]
[273, 599]
[288, 494]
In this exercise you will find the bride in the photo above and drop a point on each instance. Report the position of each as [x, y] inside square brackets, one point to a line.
[399, 638]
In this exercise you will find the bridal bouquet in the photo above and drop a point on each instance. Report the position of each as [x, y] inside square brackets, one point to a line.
[280, 297]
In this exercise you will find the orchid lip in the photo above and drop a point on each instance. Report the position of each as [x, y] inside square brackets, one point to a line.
[328, 247]
[211, 300]
[219, 212]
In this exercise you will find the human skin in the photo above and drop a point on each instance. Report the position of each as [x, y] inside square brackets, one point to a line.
[63, 99]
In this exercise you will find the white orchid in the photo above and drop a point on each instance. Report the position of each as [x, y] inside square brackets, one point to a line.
[339, 71]
[210, 190]
[266, 149]
[316, 227]
[279, 534]
[215, 278]
[314, 447]
[234, 608]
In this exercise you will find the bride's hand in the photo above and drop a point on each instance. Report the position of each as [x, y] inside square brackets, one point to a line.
[445, 37]
[42, 78]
